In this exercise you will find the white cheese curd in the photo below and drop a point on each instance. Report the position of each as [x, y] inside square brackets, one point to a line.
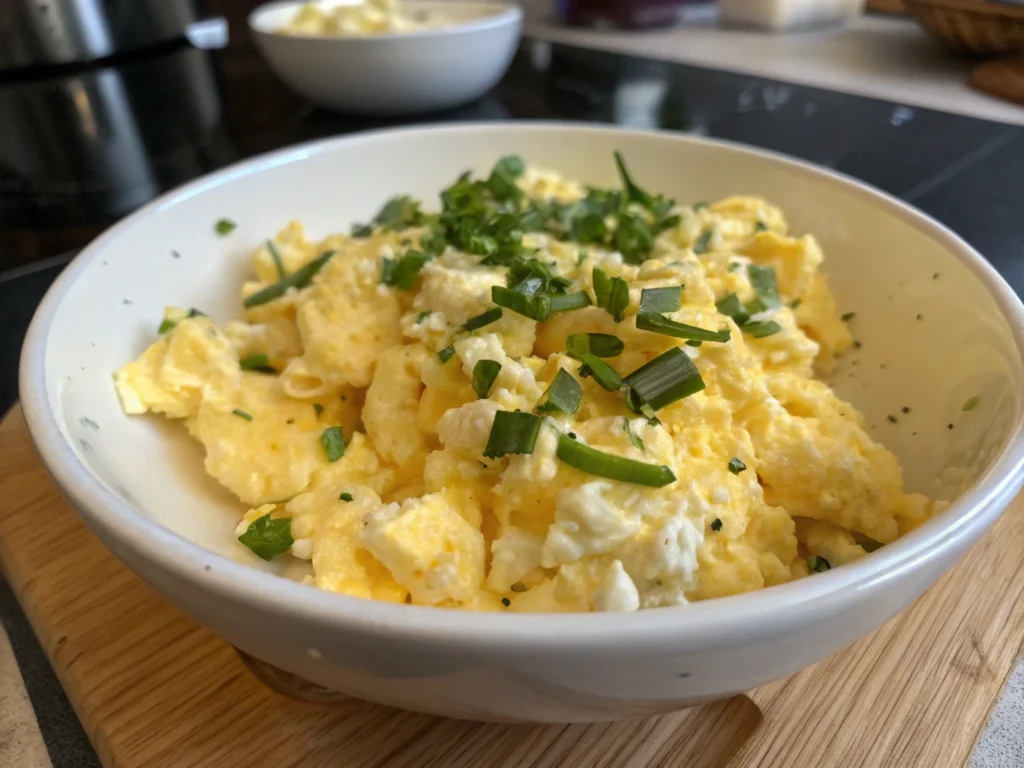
[616, 592]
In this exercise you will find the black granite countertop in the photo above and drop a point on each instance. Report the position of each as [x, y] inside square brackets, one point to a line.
[194, 111]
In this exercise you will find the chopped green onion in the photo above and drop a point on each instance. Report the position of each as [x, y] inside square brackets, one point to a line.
[298, 279]
[736, 466]
[669, 377]
[655, 203]
[502, 181]
[484, 318]
[513, 432]
[362, 231]
[731, 307]
[275, 255]
[345, 497]
[661, 300]
[603, 373]
[225, 227]
[795, 303]
[818, 564]
[402, 273]
[668, 327]
[398, 213]
[258, 362]
[536, 307]
[595, 462]
[693, 343]
[166, 327]
[267, 536]
[716, 524]
[484, 374]
[701, 246]
[318, 408]
[971, 403]
[568, 301]
[733, 266]
[242, 414]
[766, 292]
[633, 437]
[563, 395]
[446, 354]
[597, 344]
[612, 293]
[848, 316]
[333, 441]
[581, 257]
[760, 227]
[762, 329]
[422, 316]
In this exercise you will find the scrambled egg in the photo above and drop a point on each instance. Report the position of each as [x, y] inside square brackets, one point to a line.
[368, 17]
[357, 407]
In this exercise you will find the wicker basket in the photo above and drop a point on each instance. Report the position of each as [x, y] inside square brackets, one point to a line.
[979, 27]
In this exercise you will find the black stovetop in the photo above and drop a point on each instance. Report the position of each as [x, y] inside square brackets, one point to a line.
[96, 145]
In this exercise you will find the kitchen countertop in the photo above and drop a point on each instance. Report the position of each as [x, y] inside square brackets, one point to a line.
[966, 172]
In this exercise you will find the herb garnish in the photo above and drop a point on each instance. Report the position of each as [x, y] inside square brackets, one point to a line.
[333, 441]
[484, 374]
[512, 432]
[267, 536]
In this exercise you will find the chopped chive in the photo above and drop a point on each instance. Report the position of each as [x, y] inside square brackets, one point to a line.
[298, 279]
[634, 194]
[484, 318]
[766, 292]
[701, 246]
[595, 462]
[668, 327]
[563, 395]
[513, 432]
[733, 266]
[612, 293]
[848, 316]
[661, 300]
[224, 227]
[166, 327]
[633, 437]
[446, 354]
[275, 255]
[762, 329]
[506, 602]
[267, 536]
[534, 306]
[971, 403]
[665, 379]
[603, 373]
[333, 441]
[484, 374]
[402, 273]
[693, 343]
[731, 307]
[597, 344]
[795, 303]
[581, 257]
[760, 227]
[345, 497]
[318, 408]
[736, 466]
[242, 414]
[258, 362]
[716, 524]
[567, 301]
[421, 317]
[818, 564]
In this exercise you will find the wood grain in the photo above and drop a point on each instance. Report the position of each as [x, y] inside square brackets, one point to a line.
[153, 689]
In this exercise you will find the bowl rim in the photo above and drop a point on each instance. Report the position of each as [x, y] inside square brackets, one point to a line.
[752, 613]
[504, 14]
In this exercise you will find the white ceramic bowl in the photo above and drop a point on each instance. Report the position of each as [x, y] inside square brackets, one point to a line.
[395, 74]
[139, 485]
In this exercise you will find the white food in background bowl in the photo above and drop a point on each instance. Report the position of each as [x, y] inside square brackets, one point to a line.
[369, 17]
[140, 486]
[401, 71]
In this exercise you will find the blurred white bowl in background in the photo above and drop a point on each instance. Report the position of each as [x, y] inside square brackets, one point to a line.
[394, 74]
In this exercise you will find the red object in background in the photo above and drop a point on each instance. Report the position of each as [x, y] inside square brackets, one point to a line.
[621, 14]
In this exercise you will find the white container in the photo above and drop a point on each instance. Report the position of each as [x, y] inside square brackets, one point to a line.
[394, 74]
[139, 483]
[781, 15]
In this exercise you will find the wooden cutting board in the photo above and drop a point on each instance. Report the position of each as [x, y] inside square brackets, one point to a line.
[154, 689]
